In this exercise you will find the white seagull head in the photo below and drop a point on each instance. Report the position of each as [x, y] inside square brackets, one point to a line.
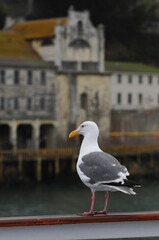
[86, 128]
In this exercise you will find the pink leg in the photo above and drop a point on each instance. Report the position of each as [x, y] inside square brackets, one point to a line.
[92, 205]
[105, 207]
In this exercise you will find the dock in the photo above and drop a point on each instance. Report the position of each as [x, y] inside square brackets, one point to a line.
[71, 227]
[56, 156]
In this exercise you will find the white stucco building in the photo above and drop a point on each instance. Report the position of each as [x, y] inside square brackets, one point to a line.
[134, 90]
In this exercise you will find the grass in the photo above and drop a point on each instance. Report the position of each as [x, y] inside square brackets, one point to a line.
[130, 66]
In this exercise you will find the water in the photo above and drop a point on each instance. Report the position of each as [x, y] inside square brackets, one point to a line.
[70, 196]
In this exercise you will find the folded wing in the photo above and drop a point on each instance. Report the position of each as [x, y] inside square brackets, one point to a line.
[102, 168]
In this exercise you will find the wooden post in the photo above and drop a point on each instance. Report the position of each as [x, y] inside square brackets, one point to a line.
[152, 161]
[74, 163]
[20, 166]
[38, 170]
[1, 169]
[57, 165]
[139, 158]
[50, 168]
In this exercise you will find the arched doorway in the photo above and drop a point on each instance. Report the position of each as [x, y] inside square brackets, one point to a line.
[24, 136]
[4, 139]
[46, 136]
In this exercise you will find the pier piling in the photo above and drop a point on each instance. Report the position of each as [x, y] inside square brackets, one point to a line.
[38, 170]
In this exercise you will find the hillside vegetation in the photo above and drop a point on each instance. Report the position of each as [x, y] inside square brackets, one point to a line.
[126, 25]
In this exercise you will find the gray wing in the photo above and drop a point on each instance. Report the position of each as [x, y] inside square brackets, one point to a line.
[100, 167]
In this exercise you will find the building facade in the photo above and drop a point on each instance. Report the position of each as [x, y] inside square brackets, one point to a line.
[71, 43]
[52, 78]
[134, 101]
[27, 106]
[134, 90]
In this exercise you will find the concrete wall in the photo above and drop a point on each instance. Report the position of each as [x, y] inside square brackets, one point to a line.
[62, 105]
[149, 91]
[47, 52]
[23, 90]
[76, 41]
[137, 121]
[97, 89]
[79, 41]
[69, 111]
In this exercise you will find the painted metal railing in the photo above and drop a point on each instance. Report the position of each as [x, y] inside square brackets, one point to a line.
[123, 225]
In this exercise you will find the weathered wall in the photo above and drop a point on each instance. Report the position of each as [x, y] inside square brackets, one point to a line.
[47, 52]
[138, 121]
[35, 90]
[79, 41]
[62, 105]
[134, 83]
[70, 114]
[97, 89]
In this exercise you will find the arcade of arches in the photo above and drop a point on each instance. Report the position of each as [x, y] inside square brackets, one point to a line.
[16, 134]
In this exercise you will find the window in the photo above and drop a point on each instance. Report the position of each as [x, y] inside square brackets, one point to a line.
[2, 76]
[43, 78]
[42, 103]
[150, 79]
[16, 77]
[29, 103]
[119, 78]
[2, 102]
[129, 98]
[140, 98]
[140, 79]
[130, 79]
[80, 28]
[16, 103]
[47, 41]
[30, 75]
[83, 101]
[119, 98]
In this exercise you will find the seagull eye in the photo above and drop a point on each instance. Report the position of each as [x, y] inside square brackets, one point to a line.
[82, 126]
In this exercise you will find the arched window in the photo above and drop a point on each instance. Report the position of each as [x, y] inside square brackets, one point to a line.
[83, 100]
[80, 28]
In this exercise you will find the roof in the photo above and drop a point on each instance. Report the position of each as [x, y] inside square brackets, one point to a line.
[25, 63]
[129, 67]
[37, 28]
[13, 45]
[15, 51]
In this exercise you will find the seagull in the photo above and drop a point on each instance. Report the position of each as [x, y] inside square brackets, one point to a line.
[99, 170]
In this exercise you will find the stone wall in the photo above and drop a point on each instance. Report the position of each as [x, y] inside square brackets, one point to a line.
[73, 109]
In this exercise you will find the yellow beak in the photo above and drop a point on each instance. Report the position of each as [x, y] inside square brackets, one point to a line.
[73, 133]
